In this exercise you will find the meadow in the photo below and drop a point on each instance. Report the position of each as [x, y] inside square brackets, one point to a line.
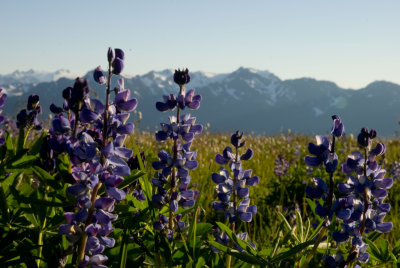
[87, 190]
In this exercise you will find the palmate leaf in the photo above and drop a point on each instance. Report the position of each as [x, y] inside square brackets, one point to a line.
[35, 148]
[21, 161]
[241, 243]
[292, 251]
[45, 177]
[244, 256]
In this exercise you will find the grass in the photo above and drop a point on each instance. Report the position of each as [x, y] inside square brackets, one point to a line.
[266, 195]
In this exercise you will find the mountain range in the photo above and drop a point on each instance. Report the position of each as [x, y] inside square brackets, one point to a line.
[248, 100]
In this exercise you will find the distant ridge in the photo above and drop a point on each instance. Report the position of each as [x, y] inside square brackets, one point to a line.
[246, 99]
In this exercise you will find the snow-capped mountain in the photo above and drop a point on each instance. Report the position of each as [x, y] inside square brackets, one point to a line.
[246, 99]
[18, 82]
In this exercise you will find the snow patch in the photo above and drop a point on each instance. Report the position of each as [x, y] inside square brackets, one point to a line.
[318, 111]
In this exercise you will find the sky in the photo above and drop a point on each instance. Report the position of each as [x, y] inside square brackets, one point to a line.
[351, 43]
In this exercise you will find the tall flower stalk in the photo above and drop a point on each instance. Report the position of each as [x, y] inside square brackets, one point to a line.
[172, 180]
[360, 208]
[233, 195]
[323, 154]
[3, 98]
[97, 152]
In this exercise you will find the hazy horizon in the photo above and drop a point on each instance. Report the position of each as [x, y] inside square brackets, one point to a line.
[349, 43]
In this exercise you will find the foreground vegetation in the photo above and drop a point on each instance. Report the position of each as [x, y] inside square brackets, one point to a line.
[90, 191]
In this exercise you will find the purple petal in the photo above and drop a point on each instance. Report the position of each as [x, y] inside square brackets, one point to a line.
[106, 241]
[247, 155]
[312, 161]
[245, 216]
[126, 129]
[243, 192]
[384, 183]
[104, 203]
[340, 237]
[88, 116]
[194, 105]
[77, 189]
[252, 209]
[191, 164]
[128, 106]
[217, 178]
[188, 194]
[384, 227]
[108, 149]
[92, 229]
[3, 98]
[123, 152]
[219, 159]
[115, 193]
[99, 76]
[345, 188]
[253, 181]
[313, 193]
[188, 203]
[344, 214]
[118, 66]
[119, 53]
[218, 206]
[379, 193]
[121, 171]
[162, 107]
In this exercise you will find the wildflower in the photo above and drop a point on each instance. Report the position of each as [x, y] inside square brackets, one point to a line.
[234, 186]
[3, 98]
[173, 168]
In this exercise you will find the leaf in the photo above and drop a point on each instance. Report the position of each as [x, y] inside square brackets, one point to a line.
[46, 177]
[35, 148]
[299, 222]
[130, 179]
[373, 249]
[24, 162]
[201, 262]
[313, 206]
[288, 227]
[240, 255]
[292, 251]
[203, 228]
[317, 230]
[384, 249]
[243, 244]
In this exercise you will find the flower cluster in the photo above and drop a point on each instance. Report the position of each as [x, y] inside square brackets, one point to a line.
[362, 209]
[324, 154]
[3, 98]
[97, 152]
[27, 118]
[281, 166]
[235, 186]
[172, 179]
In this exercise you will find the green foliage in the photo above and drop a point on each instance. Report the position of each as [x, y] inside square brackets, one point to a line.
[32, 203]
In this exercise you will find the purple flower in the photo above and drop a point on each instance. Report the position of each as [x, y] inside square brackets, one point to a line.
[234, 186]
[181, 77]
[173, 180]
[337, 128]
[98, 76]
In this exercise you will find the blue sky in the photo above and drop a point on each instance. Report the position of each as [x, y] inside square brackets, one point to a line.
[351, 43]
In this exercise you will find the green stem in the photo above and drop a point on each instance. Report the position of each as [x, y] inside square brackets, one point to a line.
[40, 244]
[82, 245]
[22, 137]
[124, 250]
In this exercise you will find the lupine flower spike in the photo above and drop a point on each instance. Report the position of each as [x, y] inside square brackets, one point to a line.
[232, 188]
[97, 152]
[172, 180]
